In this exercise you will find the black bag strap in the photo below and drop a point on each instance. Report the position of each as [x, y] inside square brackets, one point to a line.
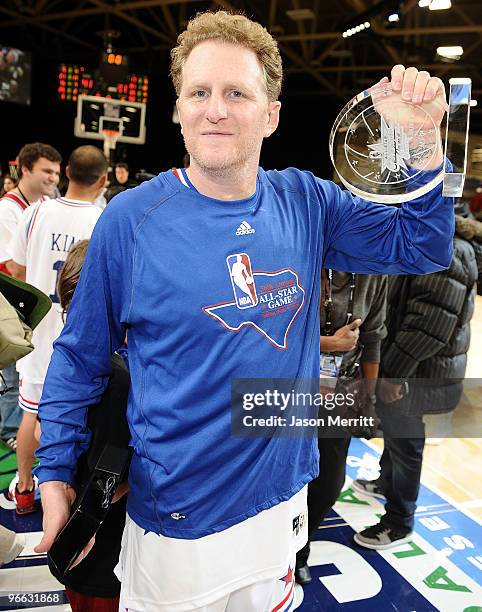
[327, 278]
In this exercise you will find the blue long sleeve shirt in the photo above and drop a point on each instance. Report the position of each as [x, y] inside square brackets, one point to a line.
[201, 284]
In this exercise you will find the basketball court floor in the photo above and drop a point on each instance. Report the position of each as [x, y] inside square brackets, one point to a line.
[440, 569]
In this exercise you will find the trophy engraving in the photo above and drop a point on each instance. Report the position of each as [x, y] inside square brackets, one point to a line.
[392, 149]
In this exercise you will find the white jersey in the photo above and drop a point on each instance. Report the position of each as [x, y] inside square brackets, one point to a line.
[12, 206]
[41, 242]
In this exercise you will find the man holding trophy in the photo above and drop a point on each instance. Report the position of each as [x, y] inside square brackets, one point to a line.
[230, 511]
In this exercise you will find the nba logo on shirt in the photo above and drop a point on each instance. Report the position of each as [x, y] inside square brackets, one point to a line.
[242, 280]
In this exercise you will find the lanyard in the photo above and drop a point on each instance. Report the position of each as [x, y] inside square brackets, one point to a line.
[328, 303]
[24, 198]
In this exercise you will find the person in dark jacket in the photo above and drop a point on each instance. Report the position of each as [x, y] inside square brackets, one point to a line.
[352, 315]
[428, 321]
[471, 230]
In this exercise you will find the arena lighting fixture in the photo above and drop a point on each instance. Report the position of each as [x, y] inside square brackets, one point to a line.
[359, 23]
[473, 103]
[439, 5]
[393, 18]
[358, 28]
[435, 5]
[454, 52]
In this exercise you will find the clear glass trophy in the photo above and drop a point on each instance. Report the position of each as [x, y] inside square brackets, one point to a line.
[385, 149]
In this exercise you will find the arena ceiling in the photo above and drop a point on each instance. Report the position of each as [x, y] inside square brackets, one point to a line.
[318, 59]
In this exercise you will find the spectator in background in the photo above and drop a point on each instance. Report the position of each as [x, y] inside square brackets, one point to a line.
[8, 183]
[428, 324]
[352, 315]
[476, 203]
[122, 174]
[39, 167]
[121, 171]
[471, 230]
[38, 249]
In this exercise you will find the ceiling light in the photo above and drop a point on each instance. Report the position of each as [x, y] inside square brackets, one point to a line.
[451, 52]
[358, 28]
[439, 5]
[393, 18]
[473, 103]
[423, 3]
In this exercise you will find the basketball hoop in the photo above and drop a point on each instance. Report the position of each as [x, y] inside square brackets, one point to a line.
[96, 115]
[13, 169]
[110, 140]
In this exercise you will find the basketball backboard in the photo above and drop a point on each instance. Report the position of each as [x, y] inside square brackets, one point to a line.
[96, 114]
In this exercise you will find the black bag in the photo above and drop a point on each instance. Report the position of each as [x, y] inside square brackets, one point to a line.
[99, 472]
[90, 509]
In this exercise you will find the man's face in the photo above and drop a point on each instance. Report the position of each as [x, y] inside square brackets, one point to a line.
[121, 175]
[44, 176]
[223, 106]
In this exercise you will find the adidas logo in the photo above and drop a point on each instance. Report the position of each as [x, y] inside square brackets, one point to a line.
[245, 228]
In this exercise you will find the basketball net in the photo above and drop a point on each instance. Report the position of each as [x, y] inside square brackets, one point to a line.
[13, 169]
[110, 141]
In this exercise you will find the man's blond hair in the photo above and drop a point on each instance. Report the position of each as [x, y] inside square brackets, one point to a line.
[234, 29]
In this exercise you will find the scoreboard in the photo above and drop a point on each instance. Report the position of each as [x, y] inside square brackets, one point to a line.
[74, 80]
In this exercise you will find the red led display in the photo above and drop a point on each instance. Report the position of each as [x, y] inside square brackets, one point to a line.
[74, 80]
